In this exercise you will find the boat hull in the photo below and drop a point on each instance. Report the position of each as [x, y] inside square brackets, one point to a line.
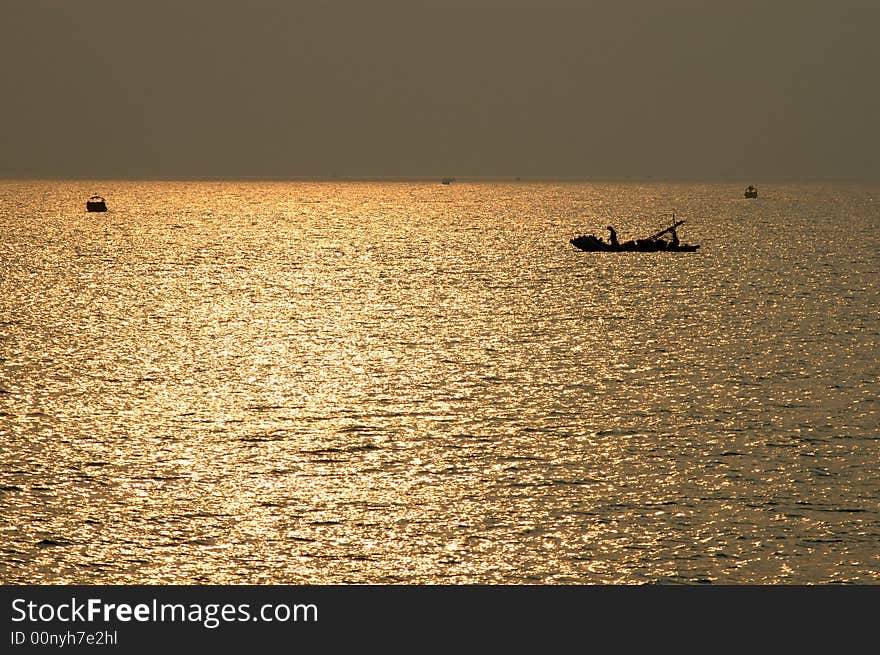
[590, 243]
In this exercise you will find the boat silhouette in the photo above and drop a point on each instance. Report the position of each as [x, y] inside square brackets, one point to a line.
[96, 204]
[653, 243]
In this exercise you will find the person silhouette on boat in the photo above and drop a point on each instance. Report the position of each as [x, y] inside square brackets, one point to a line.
[674, 237]
[613, 237]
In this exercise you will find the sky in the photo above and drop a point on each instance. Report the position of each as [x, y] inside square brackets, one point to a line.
[617, 89]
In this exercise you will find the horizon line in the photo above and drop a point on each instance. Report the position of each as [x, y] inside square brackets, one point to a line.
[454, 179]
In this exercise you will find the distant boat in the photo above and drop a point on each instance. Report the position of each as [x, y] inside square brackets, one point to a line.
[448, 180]
[591, 243]
[751, 192]
[96, 204]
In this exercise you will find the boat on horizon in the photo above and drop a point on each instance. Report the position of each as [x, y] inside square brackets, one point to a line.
[751, 192]
[96, 204]
[654, 243]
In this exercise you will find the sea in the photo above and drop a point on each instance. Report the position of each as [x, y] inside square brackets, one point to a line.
[414, 383]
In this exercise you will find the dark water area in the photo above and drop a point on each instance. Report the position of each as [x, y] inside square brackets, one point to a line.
[411, 382]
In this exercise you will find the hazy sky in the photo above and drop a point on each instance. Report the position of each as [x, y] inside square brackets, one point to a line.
[664, 89]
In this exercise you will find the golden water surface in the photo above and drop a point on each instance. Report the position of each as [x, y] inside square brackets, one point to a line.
[406, 382]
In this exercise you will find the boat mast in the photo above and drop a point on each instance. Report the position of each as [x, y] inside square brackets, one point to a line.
[659, 234]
